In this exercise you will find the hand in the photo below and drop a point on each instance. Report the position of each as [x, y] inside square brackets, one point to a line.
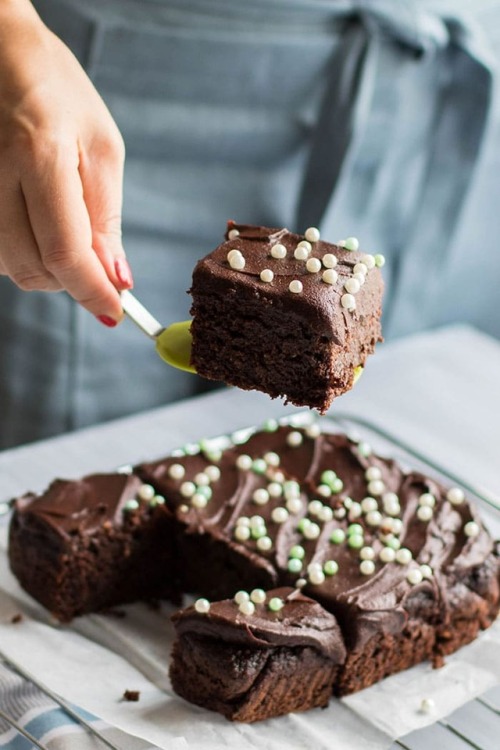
[61, 171]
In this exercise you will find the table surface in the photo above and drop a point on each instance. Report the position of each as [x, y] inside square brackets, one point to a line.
[437, 391]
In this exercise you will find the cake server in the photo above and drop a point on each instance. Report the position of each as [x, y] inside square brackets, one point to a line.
[173, 343]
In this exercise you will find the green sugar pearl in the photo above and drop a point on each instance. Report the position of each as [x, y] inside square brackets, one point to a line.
[328, 476]
[355, 541]
[270, 425]
[294, 565]
[157, 500]
[337, 536]
[337, 486]
[355, 528]
[275, 604]
[131, 504]
[298, 552]
[258, 532]
[259, 466]
[204, 490]
[331, 567]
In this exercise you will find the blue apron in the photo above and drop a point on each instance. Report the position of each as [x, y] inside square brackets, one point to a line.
[362, 118]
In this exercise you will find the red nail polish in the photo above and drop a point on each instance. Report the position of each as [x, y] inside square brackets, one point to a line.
[106, 320]
[124, 273]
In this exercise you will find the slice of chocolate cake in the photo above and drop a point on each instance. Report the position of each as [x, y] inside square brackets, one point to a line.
[87, 545]
[286, 314]
[256, 656]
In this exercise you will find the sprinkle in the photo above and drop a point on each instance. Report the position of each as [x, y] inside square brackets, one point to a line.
[360, 268]
[354, 528]
[301, 253]
[278, 476]
[232, 234]
[331, 567]
[328, 476]
[339, 513]
[244, 462]
[199, 501]
[354, 511]
[202, 606]
[397, 525]
[387, 554]
[214, 454]
[294, 439]
[241, 596]
[272, 459]
[298, 552]
[247, 608]
[348, 302]
[471, 529]
[294, 565]
[176, 471]
[355, 541]
[312, 234]
[157, 500]
[376, 487]
[374, 518]
[337, 486]
[259, 466]
[367, 553]
[313, 430]
[213, 473]
[424, 513]
[306, 244]
[403, 556]
[188, 489]
[329, 260]
[266, 275]
[325, 514]
[146, 492]
[368, 504]
[260, 497]
[258, 596]
[379, 260]
[427, 500]
[330, 276]
[427, 705]
[242, 533]
[360, 278]
[294, 505]
[373, 472]
[237, 262]
[348, 501]
[278, 251]
[291, 488]
[324, 490]
[393, 542]
[313, 265]
[340, 243]
[257, 521]
[364, 449]
[316, 576]
[274, 489]
[337, 536]
[367, 567]
[275, 604]
[351, 243]
[183, 508]
[295, 286]
[257, 532]
[455, 495]
[233, 254]
[300, 583]
[131, 504]
[201, 479]
[369, 261]
[243, 521]
[270, 425]
[352, 285]
[264, 543]
[314, 507]
[414, 576]
[426, 571]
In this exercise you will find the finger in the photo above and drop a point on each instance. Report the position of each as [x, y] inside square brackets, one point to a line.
[101, 171]
[19, 255]
[61, 226]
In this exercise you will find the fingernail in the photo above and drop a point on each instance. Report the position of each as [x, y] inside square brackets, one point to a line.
[124, 273]
[107, 321]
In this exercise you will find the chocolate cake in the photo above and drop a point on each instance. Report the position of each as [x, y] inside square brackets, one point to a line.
[286, 314]
[266, 654]
[403, 564]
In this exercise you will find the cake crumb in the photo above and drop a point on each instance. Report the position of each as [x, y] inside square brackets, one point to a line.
[131, 695]
[16, 618]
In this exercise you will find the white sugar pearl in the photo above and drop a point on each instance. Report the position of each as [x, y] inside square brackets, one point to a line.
[202, 606]
[379, 260]
[376, 487]
[374, 518]
[233, 254]
[274, 489]
[188, 489]
[368, 504]
[339, 513]
[232, 234]
[278, 476]
[291, 489]
[295, 286]
[213, 473]
[364, 449]
[324, 490]
[183, 508]
[247, 608]
[257, 521]
[471, 529]
[306, 244]
[258, 596]
[314, 566]
[241, 596]
[330, 276]
[176, 471]
[242, 533]
[202, 479]
[294, 439]
[427, 499]
[361, 268]
[360, 278]
[329, 260]
[369, 261]
[237, 262]
[301, 253]
[325, 514]
[244, 462]
[146, 492]
[312, 531]
[427, 705]
[316, 577]
[348, 501]
[271, 458]
[314, 507]
[373, 472]
[243, 521]
[387, 554]
[312, 234]
[352, 285]
[403, 556]
[313, 265]
[367, 553]
[261, 497]
[199, 501]
[424, 513]
[264, 543]
[367, 567]
[397, 525]
[354, 511]
[266, 275]
[294, 505]
[351, 243]
[455, 495]
[278, 251]
[279, 515]
[426, 571]
[414, 576]
[313, 430]
[348, 302]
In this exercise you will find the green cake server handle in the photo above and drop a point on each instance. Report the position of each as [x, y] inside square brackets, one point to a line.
[173, 343]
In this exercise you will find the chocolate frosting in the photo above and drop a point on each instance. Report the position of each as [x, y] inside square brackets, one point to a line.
[301, 622]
